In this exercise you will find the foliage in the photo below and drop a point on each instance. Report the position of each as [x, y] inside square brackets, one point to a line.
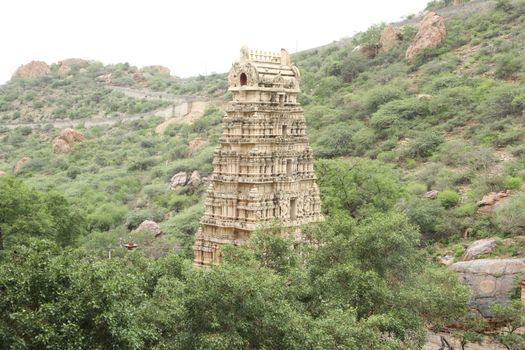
[357, 187]
[25, 212]
[448, 198]
[511, 217]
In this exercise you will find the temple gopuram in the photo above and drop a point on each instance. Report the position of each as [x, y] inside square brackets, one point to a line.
[263, 167]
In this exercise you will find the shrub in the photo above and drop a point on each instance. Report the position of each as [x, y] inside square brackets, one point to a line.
[106, 216]
[448, 198]
[416, 188]
[512, 182]
[510, 218]
[424, 145]
[507, 65]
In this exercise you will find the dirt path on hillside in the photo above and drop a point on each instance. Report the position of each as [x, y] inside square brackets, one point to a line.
[184, 109]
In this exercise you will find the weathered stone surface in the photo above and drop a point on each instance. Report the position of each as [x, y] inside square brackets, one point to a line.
[492, 201]
[263, 167]
[491, 280]
[369, 51]
[424, 97]
[195, 179]
[3, 173]
[21, 164]
[431, 33]
[67, 139]
[477, 248]
[151, 227]
[31, 70]
[447, 259]
[179, 179]
[64, 67]
[389, 39]
[431, 194]
[105, 78]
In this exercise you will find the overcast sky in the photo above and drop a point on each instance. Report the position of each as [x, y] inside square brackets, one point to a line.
[190, 37]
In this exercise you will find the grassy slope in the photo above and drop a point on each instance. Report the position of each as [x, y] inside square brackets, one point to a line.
[466, 137]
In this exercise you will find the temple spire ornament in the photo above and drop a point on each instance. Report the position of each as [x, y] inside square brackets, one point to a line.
[263, 167]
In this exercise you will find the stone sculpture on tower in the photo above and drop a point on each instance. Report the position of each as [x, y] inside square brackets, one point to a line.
[263, 167]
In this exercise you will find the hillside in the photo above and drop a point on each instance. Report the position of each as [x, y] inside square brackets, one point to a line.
[433, 148]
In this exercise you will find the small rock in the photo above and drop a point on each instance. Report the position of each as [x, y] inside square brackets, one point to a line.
[21, 164]
[447, 260]
[431, 194]
[477, 248]
[3, 173]
[179, 179]
[424, 97]
[151, 227]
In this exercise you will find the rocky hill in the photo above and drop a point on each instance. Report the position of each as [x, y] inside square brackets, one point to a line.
[424, 118]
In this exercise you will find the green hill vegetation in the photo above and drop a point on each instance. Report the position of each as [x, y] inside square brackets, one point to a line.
[384, 132]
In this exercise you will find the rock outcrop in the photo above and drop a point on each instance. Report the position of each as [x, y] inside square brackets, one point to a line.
[195, 179]
[477, 248]
[369, 51]
[21, 164]
[66, 140]
[64, 67]
[491, 280]
[150, 227]
[156, 69]
[432, 194]
[179, 180]
[31, 70]
[492, 201]
[431, 33]
[183, 178]
[389, 39]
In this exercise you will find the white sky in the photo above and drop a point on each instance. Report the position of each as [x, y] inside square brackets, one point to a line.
[190, 37]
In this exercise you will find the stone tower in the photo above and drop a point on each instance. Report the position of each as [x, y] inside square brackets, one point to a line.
[263, 168]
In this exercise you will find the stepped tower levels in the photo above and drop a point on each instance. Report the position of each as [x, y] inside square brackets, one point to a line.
[263, 167]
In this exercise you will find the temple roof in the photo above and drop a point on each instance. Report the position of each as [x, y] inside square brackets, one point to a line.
[265, 69]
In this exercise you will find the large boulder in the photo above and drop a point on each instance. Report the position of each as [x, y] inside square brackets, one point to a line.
[183, 178]
[150, 227]
[477, 248]
[491, 280]
[31, 70]
[195, 179]
[64, 67]
[178, 180]
[21, 164]
[431, 33]
[389, 39]
[66, 140]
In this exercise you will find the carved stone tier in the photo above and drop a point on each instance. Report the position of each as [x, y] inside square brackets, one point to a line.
[263, 167]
